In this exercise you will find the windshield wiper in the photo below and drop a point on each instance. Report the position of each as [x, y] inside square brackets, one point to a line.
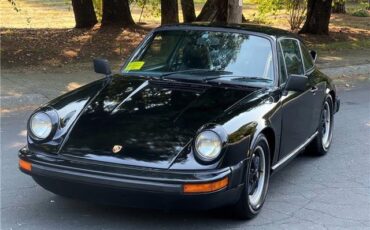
[185, 71]
[245, 78]
[178, 75]
[252, 79]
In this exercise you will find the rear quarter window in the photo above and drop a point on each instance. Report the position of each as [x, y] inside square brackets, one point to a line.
[307, 59]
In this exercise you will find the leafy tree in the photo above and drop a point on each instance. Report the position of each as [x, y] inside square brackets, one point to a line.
[296, 10]
[318, 17]
[297, 13]
[265, 7]
[85, 16]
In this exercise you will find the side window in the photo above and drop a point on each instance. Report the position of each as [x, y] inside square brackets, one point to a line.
[307, 59]
[292, 56]
[282, 70]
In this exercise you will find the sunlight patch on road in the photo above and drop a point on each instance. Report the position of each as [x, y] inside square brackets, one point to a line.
[23, 133]
[5, 111]
[330, 58]
[14, 93]
[17, 145]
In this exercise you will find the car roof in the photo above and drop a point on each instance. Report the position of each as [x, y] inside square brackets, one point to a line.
[271, 31]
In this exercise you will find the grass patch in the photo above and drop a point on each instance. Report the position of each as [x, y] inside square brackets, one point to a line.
[342, 45]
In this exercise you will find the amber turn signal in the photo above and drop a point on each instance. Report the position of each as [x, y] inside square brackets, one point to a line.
[25, 165]
[206, 187]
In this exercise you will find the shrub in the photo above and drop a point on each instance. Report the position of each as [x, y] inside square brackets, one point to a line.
[297, 13]
[361, 13]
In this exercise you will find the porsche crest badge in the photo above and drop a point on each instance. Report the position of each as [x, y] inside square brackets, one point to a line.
[117, 148]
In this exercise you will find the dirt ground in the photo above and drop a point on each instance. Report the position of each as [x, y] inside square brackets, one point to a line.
[47, 49]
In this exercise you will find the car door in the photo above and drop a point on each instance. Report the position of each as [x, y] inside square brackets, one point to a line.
[296, 106]
[318, 87]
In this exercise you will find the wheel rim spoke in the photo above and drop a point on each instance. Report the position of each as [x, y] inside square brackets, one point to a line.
[326, 126]
[256, 177]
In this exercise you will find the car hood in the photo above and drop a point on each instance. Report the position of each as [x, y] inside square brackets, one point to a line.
[151, 120]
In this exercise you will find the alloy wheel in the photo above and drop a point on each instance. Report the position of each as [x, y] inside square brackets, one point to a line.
[256, 177]
[326, 123]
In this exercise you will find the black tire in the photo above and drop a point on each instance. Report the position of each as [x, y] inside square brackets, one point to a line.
[319, 145]
[244, 209]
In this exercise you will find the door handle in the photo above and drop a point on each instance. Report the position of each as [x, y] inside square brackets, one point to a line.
[313, 89]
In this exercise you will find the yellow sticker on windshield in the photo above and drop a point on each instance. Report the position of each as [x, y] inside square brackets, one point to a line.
[135, 65]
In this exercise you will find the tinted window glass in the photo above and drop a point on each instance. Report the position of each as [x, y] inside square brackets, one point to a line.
[307, 59]
[159, 50]
[235, 54]
[292, 56]
[283, 74]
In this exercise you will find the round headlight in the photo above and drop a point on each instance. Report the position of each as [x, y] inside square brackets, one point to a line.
[208, 145]
[41, 125]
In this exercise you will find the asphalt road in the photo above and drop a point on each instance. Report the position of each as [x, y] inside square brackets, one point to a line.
[330, 192]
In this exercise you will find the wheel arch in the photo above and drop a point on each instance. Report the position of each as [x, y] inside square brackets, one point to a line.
[332, 94]
[269, 133]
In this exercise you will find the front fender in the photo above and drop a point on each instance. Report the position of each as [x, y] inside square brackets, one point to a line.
[68, 107]
[261, 115]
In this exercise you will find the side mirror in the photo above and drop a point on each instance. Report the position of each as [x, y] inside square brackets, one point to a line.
[296, 83]
[313, 55]
[102, 66]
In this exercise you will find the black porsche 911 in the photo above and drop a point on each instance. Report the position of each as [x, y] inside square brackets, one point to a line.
[199, 117]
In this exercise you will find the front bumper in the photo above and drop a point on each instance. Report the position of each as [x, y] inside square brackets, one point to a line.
[128, 186]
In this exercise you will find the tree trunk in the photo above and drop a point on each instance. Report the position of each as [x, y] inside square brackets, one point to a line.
[117, 12]
[229, 11]
[214, 11]
[339, 7]
[234, 11]
[244, 19]
[85, 16]
[169, 12]
[188, 10]
[318, 17]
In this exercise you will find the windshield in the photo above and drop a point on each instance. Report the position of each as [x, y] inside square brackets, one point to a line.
[194, 53]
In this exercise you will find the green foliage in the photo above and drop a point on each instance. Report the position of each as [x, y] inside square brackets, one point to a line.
[339, 2]
[361, 13]
[295, 8]
[342, 45]
[268, 7]
[98, 6]
[149, 7]
[297, 13]
[365, 4]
